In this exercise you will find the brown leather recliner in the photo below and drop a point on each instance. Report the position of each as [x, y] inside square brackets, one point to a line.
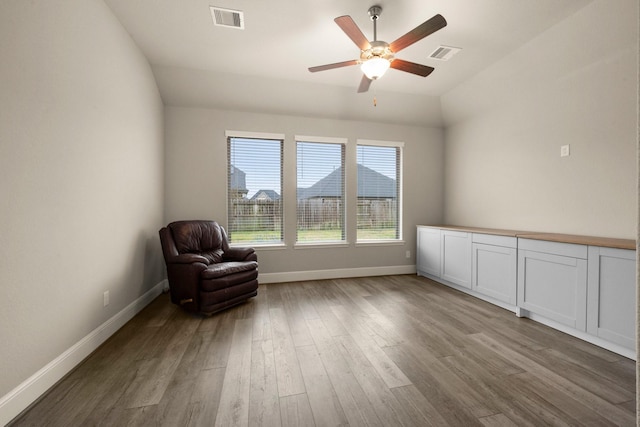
[205, 274]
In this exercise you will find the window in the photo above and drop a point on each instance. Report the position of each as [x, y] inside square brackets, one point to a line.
[254, 188]
[379, 189]
[320, 190]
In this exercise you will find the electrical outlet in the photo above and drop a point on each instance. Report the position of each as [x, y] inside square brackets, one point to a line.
[105, 298]
[564, 151]
[408, 254]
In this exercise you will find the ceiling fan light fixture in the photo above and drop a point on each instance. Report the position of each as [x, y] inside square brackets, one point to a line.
[375, 67]
[376, 56]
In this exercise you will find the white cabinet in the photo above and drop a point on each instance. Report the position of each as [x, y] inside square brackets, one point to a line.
[611, 309]
[571, 283]
[493, 266]
[428, 251]
[456, 257]
[480, 262]
[552, 281]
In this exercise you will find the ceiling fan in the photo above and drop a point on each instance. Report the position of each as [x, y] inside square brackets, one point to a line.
[377, 56]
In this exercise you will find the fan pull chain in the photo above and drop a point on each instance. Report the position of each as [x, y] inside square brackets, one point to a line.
[375, 101]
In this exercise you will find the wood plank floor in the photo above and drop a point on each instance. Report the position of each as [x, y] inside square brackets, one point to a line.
[380, 351]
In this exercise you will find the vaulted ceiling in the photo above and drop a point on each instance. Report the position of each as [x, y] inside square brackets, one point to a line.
[198, 63]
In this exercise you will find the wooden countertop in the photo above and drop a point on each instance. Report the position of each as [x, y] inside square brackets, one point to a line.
[495, 231]
[606, 242]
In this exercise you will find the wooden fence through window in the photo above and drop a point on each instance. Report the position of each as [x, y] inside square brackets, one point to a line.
[313, 214]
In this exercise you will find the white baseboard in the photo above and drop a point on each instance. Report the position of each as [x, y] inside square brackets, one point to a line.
[19, 399]
[341, 273]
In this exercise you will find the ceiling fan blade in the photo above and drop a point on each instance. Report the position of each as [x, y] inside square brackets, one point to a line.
[334, 65]
[350, 28]
[430, 26]
[364, 84]
[411, 67]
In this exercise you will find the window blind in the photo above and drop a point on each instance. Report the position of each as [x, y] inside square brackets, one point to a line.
[254, 190]
[379, 184]
[320, 192]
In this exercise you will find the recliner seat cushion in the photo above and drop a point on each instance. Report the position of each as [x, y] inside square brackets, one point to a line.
[226, 268]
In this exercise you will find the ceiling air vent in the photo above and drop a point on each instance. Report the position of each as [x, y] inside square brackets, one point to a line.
[227, 17]
[444, 53]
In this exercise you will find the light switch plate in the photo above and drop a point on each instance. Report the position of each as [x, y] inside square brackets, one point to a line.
[564, 151]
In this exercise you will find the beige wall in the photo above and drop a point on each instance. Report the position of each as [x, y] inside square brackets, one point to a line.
[81, 157]
[196, 180]
[222, 91]
[574, 84]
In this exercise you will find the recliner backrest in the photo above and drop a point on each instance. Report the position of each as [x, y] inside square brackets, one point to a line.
[199, 237]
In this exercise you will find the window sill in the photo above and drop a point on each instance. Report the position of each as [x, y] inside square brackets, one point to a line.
[317, 245]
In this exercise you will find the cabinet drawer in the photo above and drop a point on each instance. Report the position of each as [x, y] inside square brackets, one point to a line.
[492, 239]
[555, 248]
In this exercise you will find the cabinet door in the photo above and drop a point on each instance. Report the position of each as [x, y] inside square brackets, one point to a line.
[553, 286]
[456, 257]
[494, 272]
[611, 307]
[428, 251]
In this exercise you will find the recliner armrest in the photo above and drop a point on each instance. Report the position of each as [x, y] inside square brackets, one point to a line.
[240, 254]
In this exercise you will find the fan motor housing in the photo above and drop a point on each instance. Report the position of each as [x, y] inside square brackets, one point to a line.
[378, 48]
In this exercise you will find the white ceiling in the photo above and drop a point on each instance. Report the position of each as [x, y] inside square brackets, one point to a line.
[282, 38]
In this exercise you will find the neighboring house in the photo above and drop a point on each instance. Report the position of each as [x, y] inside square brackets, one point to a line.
[371, 185]
[266, 195]
[321, 204]
[238, 182]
